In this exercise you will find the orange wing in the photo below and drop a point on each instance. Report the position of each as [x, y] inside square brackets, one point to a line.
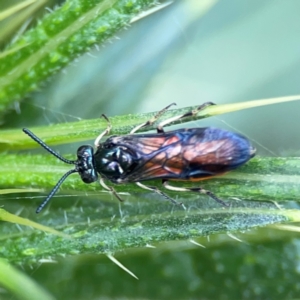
[185, 154]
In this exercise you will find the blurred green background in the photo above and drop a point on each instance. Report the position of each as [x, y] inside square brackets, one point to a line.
[237, 51]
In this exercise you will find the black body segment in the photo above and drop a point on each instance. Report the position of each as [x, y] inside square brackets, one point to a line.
[186, 154]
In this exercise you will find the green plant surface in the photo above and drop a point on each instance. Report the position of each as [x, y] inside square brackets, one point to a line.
[226, 267]
[58, 39]
[262, 179]
[26, 289]
[78, 245]
[82, 130]
[101, 229]
[16, 191]
[6, 216]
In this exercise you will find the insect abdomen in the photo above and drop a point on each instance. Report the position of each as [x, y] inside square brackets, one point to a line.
[214, 152]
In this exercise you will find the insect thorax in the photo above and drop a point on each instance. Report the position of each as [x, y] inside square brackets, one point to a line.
[114, 162]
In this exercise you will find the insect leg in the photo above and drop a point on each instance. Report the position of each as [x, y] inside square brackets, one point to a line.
[156, 190]
[105, 132]
[196, 189]
[152, 120]
[188, 114]
[111, 189]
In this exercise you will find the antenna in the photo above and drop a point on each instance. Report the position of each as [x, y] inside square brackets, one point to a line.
[62, 179]
[47, 148]
[54, 190]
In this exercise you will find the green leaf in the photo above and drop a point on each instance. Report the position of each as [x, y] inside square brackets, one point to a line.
[20, 284]
[263, 178]
[90, 129]
[15, 191]
[103, 227]
[100, 226]
[58, 39]
[8, 217]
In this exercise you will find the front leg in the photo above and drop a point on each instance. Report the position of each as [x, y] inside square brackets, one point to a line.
[111, 189]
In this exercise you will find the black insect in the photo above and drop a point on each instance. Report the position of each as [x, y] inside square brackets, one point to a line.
[191, 154]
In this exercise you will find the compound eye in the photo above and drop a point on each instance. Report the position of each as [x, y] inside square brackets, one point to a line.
[85, 152]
